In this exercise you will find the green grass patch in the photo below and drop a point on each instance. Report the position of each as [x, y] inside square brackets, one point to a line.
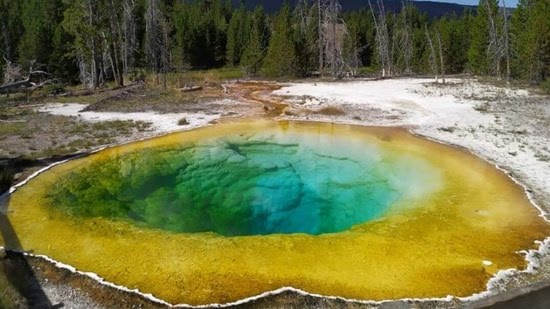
[11, 128]
[367, 70]
[545, 86]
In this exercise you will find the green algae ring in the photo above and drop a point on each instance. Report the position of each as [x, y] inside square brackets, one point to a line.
[227, 212]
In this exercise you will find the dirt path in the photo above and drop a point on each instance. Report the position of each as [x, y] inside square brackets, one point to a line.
[260, 93]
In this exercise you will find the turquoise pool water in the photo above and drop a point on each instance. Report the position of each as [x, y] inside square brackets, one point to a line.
[248, 184]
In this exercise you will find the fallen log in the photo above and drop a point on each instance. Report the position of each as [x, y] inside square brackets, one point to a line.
[15, 87]
[35, 80]
[189, 89]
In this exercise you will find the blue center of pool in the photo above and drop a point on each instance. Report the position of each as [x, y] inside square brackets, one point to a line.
[246, 185]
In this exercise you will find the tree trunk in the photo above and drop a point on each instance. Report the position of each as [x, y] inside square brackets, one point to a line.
[15, 87]
[433, 58]
[95, 65]
[321, 41]
[494, 48]
[114, 27]
[438, 36]
[506, 40]
[382, 38]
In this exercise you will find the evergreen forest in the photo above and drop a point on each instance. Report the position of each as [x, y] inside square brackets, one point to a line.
[94, 42]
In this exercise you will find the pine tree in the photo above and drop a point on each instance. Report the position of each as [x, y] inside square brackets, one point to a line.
[280, 60]
[63, 62]
[184, 31]
[201, 33]
[156, 36]
[530, 27]
[479, 52]
[11, 28]
[306, 37]
[254, 52]
[454, 36]
[82, 22]
[104, 39]
[237, 36]
[34, 44]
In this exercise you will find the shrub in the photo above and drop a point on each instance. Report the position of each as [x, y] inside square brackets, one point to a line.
[137, 75]
[545, 86]
[54, 89]
[183, 122]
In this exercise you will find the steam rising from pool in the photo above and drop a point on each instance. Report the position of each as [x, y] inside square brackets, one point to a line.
[249, 184]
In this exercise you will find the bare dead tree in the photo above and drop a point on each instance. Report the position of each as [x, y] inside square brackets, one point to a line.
[152, 35]
[12, 72]
[333, 34]
[166, 52]
[129, 39]
[506, 35]
[494, 48]
[382, 38]
[405, 43]
[14, 81]
[441, 58]
[378, 41]
[432, 58]
[86, 26]
[320, 42]
[332, 50]
[95, 61]
[156, 39]
[35, 79]
[498, 49]
[113, 42]
[302, 13]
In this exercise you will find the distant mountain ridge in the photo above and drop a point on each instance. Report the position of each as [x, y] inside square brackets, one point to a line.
[433, 9]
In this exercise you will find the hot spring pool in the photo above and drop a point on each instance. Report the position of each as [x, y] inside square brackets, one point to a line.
[230, 211]
[257, 183]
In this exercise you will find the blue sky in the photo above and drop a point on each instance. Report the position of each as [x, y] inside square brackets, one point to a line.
[509, 3]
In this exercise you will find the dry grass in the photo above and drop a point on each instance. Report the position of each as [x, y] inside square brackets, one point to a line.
[38, 135]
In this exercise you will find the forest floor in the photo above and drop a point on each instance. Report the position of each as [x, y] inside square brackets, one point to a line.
[509, 127]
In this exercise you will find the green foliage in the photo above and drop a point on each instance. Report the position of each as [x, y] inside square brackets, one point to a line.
[200, 33]
[362, 35]
[478, 52]
[237, 36]
[253, 55]
[12, 27]
[63, 62]
[104, 39]
[530, 27]
[454, 33]
[281, 59]
[306, 36]
[54, 89]
[137, 75]
[80, 23]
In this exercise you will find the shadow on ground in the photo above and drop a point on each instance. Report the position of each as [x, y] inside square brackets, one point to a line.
[15, 268]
